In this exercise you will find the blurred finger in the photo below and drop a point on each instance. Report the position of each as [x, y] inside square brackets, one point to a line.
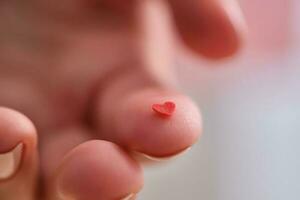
[18, 156]
[212, 28]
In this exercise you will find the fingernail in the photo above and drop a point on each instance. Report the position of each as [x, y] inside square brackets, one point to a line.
[159, 159]
[10, 162]
[130, 197]
[63, 196]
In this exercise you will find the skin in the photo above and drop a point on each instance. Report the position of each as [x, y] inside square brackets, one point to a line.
[77, 82]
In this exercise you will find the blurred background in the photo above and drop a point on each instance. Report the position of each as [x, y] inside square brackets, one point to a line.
[251, 109]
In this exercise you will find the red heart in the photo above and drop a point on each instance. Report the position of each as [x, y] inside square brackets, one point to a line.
[166, 109]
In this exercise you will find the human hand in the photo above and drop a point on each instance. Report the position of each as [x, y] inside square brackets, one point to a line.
[85, 71]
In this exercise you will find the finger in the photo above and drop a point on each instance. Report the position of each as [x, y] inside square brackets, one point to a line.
[123, 112]
[212, 28]
[97, 170]
[18, 156]
[124, 115]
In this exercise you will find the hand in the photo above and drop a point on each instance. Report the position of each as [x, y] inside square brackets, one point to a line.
[86, 72]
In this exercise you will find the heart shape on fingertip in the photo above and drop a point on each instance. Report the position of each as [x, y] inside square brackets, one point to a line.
[165, 109]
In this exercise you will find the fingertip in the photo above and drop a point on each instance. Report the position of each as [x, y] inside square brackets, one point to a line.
[16, 128]
[141, 129]
[99, 170]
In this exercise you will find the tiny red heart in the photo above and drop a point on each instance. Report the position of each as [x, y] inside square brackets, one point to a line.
[166, 109]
